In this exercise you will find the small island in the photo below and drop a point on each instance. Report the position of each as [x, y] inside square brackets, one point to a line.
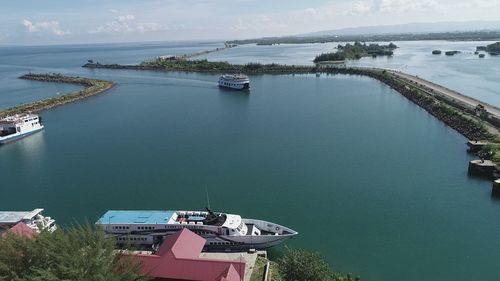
[357, 51]
[492, 49]
[91, 87]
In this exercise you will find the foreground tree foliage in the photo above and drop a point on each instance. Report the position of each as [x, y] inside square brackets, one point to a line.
[302, 265]
[78, 253]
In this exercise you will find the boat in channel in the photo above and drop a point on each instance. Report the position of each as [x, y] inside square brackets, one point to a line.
[16, 127]
[234, 81]
[223, 232]
[34, 219]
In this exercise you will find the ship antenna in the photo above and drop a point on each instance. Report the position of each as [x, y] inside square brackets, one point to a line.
[208, 198]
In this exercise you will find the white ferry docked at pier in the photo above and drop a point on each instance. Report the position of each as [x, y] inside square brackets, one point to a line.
[223, 232]
[33, 219]
[234, 81]
[19, 126]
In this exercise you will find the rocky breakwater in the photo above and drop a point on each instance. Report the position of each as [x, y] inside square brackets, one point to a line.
[466, 124]
[91, 87]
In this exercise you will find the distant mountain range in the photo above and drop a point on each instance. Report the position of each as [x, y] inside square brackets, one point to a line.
[465, 31]
[426, 27]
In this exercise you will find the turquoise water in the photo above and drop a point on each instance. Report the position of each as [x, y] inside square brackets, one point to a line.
[367, 178]
[464, 72]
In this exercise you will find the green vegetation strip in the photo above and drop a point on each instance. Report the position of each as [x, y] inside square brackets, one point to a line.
[92, 87]
[167, 64]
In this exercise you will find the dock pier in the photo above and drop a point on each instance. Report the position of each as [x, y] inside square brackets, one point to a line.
[495, 189]
[481, 167]
[475, 146]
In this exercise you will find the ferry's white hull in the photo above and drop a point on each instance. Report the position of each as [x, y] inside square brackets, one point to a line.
[214, 242]
[235, 86]
[246, 242]
[18, 136]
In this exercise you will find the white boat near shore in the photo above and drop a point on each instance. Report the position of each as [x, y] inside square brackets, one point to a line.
[234, 81]
[16, 127]
[223, 232]
[33, 219]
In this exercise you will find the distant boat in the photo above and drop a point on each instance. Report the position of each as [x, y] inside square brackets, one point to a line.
[226, 232]
[451, 53]
[19, 126]
[481, 55]
[234, 81]
[436, 52]
[33, 219]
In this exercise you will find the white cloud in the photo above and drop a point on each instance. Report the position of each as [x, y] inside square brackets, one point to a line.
[127, 23]
[360, 8]
[407, 5]
[311, 11]
[44, 27]
[478, 4]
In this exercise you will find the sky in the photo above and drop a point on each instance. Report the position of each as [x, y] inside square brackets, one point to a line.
[90, 21]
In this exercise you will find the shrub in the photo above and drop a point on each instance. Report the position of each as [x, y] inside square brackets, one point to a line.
[302, 265]
[77, 254]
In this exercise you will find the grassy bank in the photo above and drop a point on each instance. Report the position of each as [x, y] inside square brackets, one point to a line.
[91, 87]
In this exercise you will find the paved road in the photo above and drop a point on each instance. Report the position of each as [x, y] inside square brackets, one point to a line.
[447, 93]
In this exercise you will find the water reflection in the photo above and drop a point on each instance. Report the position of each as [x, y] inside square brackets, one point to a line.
[234, 97]
[29, 147]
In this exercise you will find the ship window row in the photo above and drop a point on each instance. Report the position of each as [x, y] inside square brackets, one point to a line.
[222, 243]
[121, 227]
[131, 238]
[145, 227]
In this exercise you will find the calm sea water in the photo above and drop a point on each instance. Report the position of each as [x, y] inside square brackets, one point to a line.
[464, 72]
[373, 182]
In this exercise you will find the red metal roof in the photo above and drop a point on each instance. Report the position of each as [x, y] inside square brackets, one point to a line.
[184, 244]
[21, 229]
[178, 258]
